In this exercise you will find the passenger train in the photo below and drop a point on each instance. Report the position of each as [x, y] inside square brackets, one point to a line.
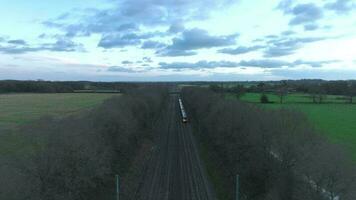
[184, 114]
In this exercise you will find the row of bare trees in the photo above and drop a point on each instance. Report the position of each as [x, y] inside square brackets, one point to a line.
[76, 158]
[41, 86]
[318, 91]
[277, 154]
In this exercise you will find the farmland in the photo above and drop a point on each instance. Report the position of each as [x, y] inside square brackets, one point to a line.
[142, 137]
[334, 118]
[21, 109]
[18, 109]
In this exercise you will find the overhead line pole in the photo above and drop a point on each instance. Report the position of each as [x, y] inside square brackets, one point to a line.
[237, 193]
[117, 187]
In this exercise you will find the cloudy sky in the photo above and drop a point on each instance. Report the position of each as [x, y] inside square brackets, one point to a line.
[177, 40]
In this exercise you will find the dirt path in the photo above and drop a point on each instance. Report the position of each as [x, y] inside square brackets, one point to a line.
[175, 171]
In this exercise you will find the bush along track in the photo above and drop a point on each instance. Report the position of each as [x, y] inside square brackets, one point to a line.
[76, 158]
[277, 154]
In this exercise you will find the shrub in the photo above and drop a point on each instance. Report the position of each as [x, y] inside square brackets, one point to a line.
[264, 98]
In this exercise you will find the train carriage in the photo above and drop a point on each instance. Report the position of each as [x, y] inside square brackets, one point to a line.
[184, 114]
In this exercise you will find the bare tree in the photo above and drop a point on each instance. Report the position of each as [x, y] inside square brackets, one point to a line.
[277, 153]
[282, 91]
[75, 158]
[351, 91]
[317, 93]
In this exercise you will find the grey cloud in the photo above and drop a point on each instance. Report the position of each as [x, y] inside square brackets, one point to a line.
[240, 50]
[314, 64]
[301, 13]
[341, 6]
[63, 16]
[150, 44]
[311, 27]
[271, 36]
[126, 62]
[176, 28]
[258, 40]
[53, 24]
[109, 41]
[139, 12]
[307, 39]
[43, 35]
[17, 50]
[287, 45]
[158, 11]
[120, 69]
[174, 53]
[147, 59]
[93, 25]
[278, 51]
[285, 6]
[112, 27]
[112, 41]
[203, 64]
[61, 45]
[287, 33]
[77, 30]
[64, 45]
[264, 63]
[306, 13]
[17, 42]
[52, 36]
[128, 27]
[267, 63]
[194, 39]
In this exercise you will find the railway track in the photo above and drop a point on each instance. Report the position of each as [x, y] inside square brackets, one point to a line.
[175, 171]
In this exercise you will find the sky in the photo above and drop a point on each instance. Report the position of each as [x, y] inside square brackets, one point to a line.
[177, 40]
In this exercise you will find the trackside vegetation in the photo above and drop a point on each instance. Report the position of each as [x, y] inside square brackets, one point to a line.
[277, 153]
[328, 105]
[77, 157]
[334, 118]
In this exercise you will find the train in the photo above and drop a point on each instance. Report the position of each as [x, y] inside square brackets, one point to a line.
[184, 114]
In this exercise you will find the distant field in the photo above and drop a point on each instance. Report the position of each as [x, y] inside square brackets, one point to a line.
[17, 109]
[334, 118]
[291, 98]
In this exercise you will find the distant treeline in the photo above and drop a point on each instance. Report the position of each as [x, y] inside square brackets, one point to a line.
[76, 158]
[9, 86]
[345, 88]
[277, 154]
[318, 89]
[304, 86]
[309, 86]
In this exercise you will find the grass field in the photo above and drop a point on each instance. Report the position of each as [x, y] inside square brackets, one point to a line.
[334, 118]
[295, 98]
[19, 109]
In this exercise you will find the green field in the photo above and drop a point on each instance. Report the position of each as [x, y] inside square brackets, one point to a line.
[295, 98]
[334, 118]
[18, 109]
